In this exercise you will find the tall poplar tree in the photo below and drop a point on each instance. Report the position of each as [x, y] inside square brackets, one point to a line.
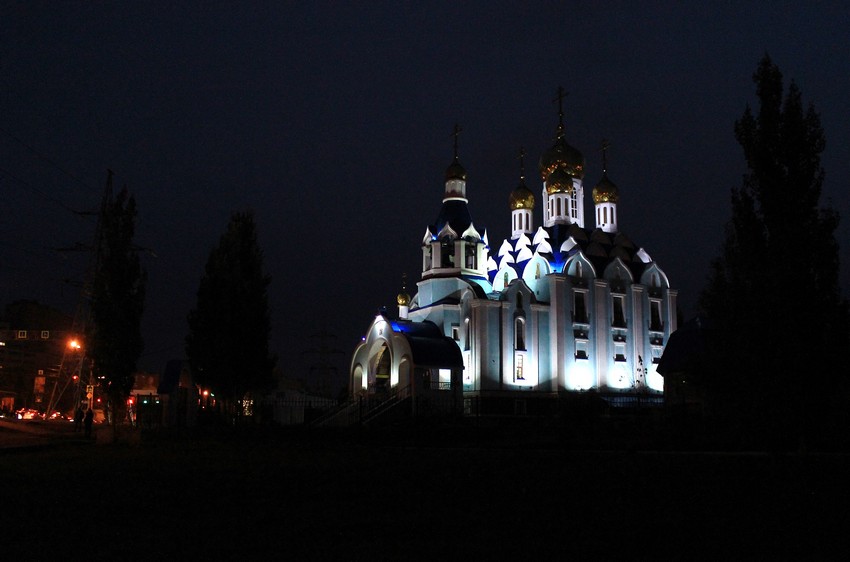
[114, 338]
[773, 293]
[229, 328]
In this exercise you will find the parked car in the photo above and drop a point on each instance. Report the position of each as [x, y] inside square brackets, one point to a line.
[28, 414]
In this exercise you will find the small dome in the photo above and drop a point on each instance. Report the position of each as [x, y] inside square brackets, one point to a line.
[562, 155]
[559, 181]
[403, 299]
[455, 171]
[605, 191]
[521, 198]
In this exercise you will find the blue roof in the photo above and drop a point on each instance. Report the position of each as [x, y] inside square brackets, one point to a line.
[429, 346]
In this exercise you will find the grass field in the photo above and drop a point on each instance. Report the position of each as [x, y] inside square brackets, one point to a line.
[393, 495]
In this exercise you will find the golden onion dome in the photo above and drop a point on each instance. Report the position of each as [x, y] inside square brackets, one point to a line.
[403, 299]
[559, 181]
[455, 171]
[521, 198]
[605, 191]
[562, 155]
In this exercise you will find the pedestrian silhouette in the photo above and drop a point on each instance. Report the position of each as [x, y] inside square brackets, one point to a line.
[88, 421]
[78, 420]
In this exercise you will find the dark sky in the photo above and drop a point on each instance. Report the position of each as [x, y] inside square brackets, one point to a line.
[332, 123]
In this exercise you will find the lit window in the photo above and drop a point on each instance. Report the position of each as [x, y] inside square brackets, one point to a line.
[45, 334]
[22, 334]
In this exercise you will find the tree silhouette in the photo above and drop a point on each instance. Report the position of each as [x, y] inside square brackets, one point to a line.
[773, 293]
[228, 341]
[117, 300]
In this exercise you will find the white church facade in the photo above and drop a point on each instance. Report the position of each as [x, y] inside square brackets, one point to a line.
[564, 306]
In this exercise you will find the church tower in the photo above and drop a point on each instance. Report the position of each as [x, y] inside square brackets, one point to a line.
[522, 205]
[605, 197]
[562, 171]
[452, 246]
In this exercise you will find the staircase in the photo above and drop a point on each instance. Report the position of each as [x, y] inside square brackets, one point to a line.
[367, 411]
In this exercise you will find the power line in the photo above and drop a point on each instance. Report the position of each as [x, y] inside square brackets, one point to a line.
[44, 195]
[45, 158]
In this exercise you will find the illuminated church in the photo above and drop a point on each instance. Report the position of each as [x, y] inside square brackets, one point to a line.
[565, 305]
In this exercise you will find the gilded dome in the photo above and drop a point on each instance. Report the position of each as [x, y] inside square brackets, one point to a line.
[559, 181]
[562, 155]
[403, 299]
[605, 191]
[521, 198]
[455, 171]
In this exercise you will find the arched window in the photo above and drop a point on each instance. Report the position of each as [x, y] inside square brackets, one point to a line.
[466, 334]
[519, 334]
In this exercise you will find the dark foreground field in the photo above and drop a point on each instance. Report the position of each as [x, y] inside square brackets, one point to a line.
[388, 495]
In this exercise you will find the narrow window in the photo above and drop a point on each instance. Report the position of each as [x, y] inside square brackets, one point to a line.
[519, 375]
[519, 334]
[470, 255]
[655, 323]
[618, 302]
[579, 308]
[447, 250]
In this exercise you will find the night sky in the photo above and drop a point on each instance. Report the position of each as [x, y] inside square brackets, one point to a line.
[333, 124]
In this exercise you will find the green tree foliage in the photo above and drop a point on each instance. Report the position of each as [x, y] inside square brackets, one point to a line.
[773, 293]
[228, 341]
[114, 338]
